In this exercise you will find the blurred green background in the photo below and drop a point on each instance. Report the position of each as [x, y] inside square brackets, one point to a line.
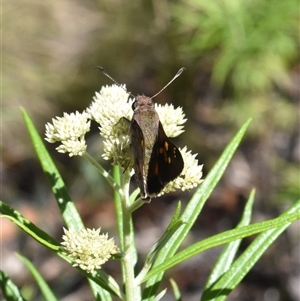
[242, 60]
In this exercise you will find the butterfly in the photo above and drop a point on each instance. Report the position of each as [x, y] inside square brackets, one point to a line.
[157, 160]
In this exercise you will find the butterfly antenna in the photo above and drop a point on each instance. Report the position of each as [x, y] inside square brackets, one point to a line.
[112, 79]
[176, 75]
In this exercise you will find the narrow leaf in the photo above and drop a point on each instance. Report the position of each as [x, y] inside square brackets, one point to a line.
[100, 294]
[223, 287]
[227, 255]
[9, 290]
[220, 239]
[175, 217]
[176, 290]
[36, 233]
[45, 289]
[159, 247]
[65, 204]
[160, 295]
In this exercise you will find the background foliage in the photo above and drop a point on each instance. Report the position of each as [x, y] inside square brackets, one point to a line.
[242, 60]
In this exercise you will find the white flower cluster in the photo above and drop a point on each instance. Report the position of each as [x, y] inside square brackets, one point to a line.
[191, 175]
[171, 119]
[69, 130]
[111, 108]
[88, 248]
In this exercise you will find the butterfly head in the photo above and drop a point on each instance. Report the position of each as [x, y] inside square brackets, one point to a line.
[142, 102]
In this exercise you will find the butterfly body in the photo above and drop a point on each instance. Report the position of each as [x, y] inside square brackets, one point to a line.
[157, 161]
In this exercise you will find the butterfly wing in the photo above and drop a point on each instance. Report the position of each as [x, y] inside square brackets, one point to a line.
[165, 165]
[137, 145]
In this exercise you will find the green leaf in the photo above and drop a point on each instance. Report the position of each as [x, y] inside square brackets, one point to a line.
[223, 287]
[9, 290]
[102, 171]
[134, 194]
[227, 255]
[175, 217]
[162, 242]
[28, 227]
[99, 293]
[173, 226]
[220, 239]
[64, 202]
[176, 290]
[160, 295]
[45, 289]
[194, 208]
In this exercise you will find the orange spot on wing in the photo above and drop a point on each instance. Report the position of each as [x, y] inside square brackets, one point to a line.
[156, 169]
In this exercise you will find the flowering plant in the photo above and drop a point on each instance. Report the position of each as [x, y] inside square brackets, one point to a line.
[88, 250]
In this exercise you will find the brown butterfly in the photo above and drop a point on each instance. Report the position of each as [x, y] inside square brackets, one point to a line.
[157, 160]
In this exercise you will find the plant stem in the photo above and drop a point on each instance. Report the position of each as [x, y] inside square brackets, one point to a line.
[133, 291]
[135, 205]
[105, 174]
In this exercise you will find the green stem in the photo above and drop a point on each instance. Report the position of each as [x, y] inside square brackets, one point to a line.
[104, 173]
[135, 205]
[126, 232]
[133, 291]
[118, 206]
